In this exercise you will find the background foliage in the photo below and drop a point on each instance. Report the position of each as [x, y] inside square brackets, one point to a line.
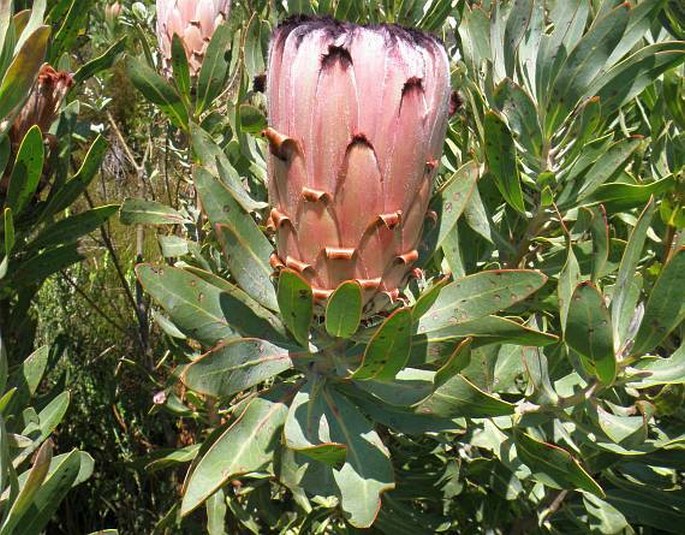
[543, 387]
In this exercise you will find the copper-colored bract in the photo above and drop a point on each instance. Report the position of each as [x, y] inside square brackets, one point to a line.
[43, 104]
[357, 119]
[194, 21]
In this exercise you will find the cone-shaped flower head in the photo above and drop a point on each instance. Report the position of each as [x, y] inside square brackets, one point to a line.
[194, 21]
[357, 119]
[43, 104]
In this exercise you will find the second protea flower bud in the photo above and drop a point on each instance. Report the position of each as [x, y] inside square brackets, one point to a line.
[194, 21]
[357, 121]
[43, 104]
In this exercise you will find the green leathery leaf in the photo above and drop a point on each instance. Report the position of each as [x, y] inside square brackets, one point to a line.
[245, 247]
[489, 329]
[621, 305]
[296, 303]
[569, 18]
[214, 71]
[537, 369]
[589, 332]
[457, 361]
[607, 163]
[585, 61]
[427, 298]
[9, 238]
[47, 262]
[661, 371]
[28, 376]
[665, 308]
[216, 513]
[78, 183]
[619, 197]
[50, 417]
[450, 202]
[367, 472]
[4, 455]
[143, 212]
[21, 73]
[309, 426]
[252, 119]
[400, 419]
[71, 27]
[206, 307]
[631, 76]
[599, 228]
[479, 295]
[246, 445]
[173, 457]
[519, 109]
[70, 229]
[569, 277]
[410, 386]
[179, 65]
[214, 160]
[27, 170]
[458, 397]
[517, 25]
[32, 485]
[344, 310]
[389, 349]
[500, 154]
[554, 466]
[646, 507]
[100, 63]
[234, 366]
[158, 91]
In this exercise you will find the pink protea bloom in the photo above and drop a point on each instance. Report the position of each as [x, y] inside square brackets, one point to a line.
[194, 21]
[357, 119]
[43, 105]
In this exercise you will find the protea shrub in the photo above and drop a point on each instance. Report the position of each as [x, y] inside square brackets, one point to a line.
[194, 21]
[357, 118]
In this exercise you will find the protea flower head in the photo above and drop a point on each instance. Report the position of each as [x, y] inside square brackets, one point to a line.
[194, 21]
[357, 119]
[43, 104]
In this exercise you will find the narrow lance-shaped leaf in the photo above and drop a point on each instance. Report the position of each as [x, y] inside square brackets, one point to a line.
[553, 465]
[245, 247]
[158, 91]
[22, 72]
[627, 270]
[179, 64]
[212, 78]
[27, 171]
[500, 154]
[665, 309]
[450, 202]
[78, 183]
[568, 280]
[585, 61]
[589, 332]
[143, 212]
